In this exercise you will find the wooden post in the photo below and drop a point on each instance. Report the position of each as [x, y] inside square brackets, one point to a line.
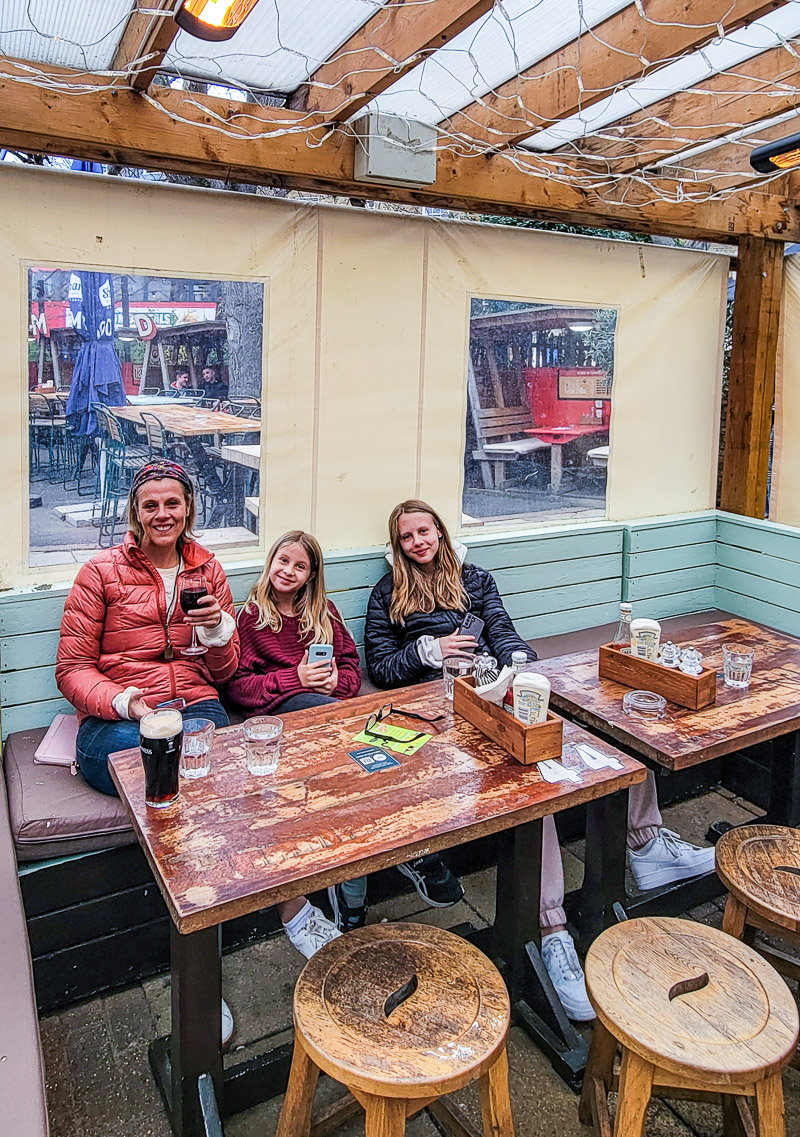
[751, 382]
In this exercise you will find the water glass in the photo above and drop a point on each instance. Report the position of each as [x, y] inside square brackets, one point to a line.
[262, 743]
[198, 735]
[455, 667]
[737, 663]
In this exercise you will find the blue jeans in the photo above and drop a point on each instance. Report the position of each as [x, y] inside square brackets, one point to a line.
[97, 738]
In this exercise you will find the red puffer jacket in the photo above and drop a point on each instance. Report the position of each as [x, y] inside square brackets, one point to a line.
[113, 633]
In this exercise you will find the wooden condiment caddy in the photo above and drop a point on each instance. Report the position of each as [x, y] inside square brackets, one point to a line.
[692, 691]
[528, 744]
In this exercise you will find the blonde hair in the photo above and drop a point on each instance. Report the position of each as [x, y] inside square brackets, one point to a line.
[136, 527]
[412, 590]
[311, 602]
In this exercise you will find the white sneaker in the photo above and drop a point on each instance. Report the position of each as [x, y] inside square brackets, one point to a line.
[227, 1023]
[314, 934]
[564, 969]
[666, 858]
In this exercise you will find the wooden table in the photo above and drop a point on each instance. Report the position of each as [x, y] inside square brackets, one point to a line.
[557, 437]
[244, 454]
[234, 844]
[189, 421]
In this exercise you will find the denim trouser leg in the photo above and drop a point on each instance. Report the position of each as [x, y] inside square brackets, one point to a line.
[97, 738]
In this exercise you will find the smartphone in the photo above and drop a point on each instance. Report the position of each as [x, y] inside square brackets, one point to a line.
[172, 705]
[472, 625]
[320, 653]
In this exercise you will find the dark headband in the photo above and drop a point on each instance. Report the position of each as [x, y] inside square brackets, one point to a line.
[163, 468]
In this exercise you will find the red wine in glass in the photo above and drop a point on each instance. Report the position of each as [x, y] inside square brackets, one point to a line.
[192, 589]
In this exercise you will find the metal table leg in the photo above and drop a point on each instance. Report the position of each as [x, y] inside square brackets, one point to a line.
[604, 868]
[784, 788]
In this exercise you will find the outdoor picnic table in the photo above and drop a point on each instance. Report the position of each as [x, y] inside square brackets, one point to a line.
[557, 437]
[189, 421]
[243, 454]
[233, 844]
[768, 710]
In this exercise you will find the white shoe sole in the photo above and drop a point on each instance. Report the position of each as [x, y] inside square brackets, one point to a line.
[418, 881]
[659, 877]
[578, 1014]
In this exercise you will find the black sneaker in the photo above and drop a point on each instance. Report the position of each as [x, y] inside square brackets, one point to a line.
[345, 918]
[433, 880]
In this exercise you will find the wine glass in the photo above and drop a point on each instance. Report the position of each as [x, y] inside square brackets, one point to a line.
[193, 587]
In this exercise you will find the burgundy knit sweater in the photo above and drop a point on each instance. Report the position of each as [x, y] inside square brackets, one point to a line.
[267, 672]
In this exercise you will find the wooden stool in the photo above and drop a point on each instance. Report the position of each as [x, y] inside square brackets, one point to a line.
[760, 867]
[694, 1011]
[400, 1014]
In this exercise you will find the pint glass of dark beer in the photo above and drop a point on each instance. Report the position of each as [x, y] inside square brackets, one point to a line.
[160, 738]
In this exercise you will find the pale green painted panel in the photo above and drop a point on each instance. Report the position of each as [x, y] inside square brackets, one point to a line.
[689, 532]
[557, 573]
[352, 603]
[761, 537]
[356, 629]
[665, 560]
[32, 684]
[769, 591]
[668, 583]
[752, 608]
[361, 572]
[557, 623]
[759, 564]
[31, 715]
[35, 650]
[547, 600]
[694, 600]
[540, 550]
[31, 612]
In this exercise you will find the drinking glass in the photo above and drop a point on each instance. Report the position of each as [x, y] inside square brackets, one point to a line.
[262, 743]
[160, 735]
[193, 588]
[453, 667]
[198, 734]
[737, 664]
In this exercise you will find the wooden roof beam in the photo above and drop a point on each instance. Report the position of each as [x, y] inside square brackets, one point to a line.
[218, 138]
[389, 44]
[767, 85]
[146, 39]
[589, 68]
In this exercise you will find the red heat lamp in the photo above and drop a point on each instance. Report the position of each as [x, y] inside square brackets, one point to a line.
[775, 156]
[214, 20]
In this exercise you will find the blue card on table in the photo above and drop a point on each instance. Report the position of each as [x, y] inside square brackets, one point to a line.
[372, 758]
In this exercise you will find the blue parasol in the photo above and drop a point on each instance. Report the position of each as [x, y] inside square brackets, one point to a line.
[97, 377]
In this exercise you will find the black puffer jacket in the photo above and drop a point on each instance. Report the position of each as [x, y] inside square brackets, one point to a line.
[391, 649]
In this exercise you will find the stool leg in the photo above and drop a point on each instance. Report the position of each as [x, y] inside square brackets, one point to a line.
[295, 1119]
[495, 1102]
[733, 921]
[386, 1117]
[635, 1087]
[600, 1064]
[769, 1107]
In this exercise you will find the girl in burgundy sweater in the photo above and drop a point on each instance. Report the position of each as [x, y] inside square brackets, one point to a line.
[286, 611]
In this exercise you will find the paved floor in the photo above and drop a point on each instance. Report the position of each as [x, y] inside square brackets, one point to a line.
[99, 1082]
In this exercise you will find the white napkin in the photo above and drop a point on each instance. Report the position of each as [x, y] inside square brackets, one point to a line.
[595, 760]
[554, 771]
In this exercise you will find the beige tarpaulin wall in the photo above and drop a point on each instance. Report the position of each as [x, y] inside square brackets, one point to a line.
[366, 340]
[784, 504]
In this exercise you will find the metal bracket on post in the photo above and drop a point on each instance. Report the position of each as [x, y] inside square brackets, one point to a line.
[208, 1106]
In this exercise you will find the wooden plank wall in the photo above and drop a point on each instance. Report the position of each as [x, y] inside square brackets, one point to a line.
[758, 571]
[556, 581]
[669, 565]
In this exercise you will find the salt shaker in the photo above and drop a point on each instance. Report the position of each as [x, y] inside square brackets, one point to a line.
[670, 654]
[691, 661]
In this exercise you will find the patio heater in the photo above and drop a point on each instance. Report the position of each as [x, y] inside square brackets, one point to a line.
[772, 157]
[213, 19]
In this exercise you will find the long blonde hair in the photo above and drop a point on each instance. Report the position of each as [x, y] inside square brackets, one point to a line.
[412, 590]
[311, 602]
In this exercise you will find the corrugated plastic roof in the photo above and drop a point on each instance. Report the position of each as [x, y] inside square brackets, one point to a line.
[68, 33]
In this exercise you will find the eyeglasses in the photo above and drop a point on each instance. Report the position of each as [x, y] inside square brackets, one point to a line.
[386, 710]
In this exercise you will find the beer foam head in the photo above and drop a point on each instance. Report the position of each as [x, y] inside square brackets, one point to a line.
[161, 724]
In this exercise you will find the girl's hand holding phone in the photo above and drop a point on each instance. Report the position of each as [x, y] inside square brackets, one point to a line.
[332, 682]
[315, 676]
[456, 644]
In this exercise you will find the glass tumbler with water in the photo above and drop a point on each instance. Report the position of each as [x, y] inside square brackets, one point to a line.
[262, 743]
[453, 667]
[160, 738]
[737, 664]
[198, 735]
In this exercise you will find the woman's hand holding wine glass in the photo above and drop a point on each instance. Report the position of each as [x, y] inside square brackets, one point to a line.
[202, 610]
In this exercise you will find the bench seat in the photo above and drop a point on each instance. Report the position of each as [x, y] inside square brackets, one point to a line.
[54, 813]
[22, 1086]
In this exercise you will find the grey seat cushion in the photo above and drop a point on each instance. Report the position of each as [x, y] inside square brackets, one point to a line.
[53, 812]
[22, 1089]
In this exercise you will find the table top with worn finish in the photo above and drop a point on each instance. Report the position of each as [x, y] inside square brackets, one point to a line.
[770, 707]
[243, 454]
[234, 843]
[190, 421]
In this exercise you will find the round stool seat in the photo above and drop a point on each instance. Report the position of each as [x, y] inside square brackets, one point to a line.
[402, 1010]
[760, 865]
[691, 1000]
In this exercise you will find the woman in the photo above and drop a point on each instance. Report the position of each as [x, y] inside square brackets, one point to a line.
[413, 620]
[122, 635]
[287, 611]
